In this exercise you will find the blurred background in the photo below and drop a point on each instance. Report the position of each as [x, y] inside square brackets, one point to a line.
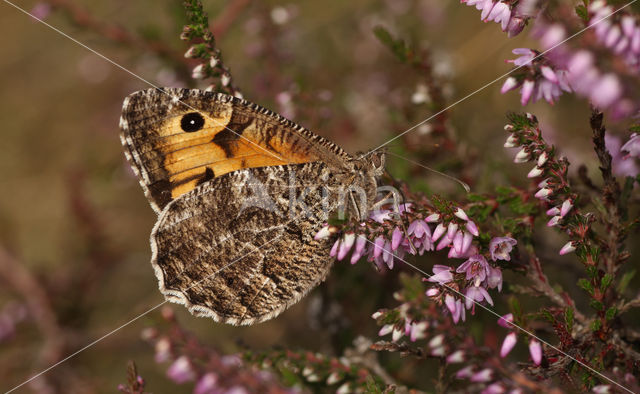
[75, 225]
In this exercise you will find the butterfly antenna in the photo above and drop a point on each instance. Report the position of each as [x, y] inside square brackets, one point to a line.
[463, 184]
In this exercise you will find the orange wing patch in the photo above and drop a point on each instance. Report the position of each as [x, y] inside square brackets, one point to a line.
[177, 147]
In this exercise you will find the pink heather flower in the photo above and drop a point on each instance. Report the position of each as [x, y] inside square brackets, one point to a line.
[472, 228]
[512, 141]
[437, 233]
[505, 320]
[432, 292]
[621, 165]
[552, 36]
[345, 245]
[507, 345]
[207, 384]
[461, 214]
[419, 228]
[477, 294]
[482, 376]
[515, 26]
[567, 248]
[602, 389]
[380, 216]
[436, 341]
[522, 156]
[500, 248]
[496, 388]
[162, 348]
[465, 372]
[632, 146]
[510, 84]
[433, 218]
[566, 207]
[476, 268]
[359, 249]
[456, 357]
[555, 211]
[418, 330]
[441, 274]
[543, 193]
[535, 350]
[444, 242]
[396, 238]
[41, 10]
[607, 90]
[334, 249]
[385, 330]
[378, 244]
[548, 73]
[500, 13]
[526, 56]
[494, 278]
[451, 230]
[535, 172]
[181, 371]
[324, 232]
[554, 221]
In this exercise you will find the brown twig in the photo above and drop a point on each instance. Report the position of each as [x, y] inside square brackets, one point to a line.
[81, 17]
[227, 17]
[18, 277]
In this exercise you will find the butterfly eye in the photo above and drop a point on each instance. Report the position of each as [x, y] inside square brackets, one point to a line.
[191, 122]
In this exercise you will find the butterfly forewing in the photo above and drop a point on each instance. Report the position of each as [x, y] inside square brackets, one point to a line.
[177, 139]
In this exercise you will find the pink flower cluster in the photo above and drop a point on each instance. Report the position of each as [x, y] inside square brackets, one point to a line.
[510, 20]
[540, 79]
[393, 244]
[533, 148]
[620, 35]
[509, 342]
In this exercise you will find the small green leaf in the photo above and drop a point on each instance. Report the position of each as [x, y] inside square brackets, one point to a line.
[611, 313]
[624, 281]
[397, 46]
[582, 12]
[597, 305]
[595, 326]
[585, 285]
[605, 282]
[515, 307]
[568, 318]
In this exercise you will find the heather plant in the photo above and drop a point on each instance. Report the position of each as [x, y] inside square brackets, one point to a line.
[522, 281]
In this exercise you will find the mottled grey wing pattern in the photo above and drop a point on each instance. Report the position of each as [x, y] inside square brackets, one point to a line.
[242, 263]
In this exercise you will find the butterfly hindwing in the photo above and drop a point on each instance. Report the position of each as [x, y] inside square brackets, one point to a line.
[246, 254]
[177, 139]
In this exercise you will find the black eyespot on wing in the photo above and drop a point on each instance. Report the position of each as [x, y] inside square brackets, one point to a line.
[191, 122]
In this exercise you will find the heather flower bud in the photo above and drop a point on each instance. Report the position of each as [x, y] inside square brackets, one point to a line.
[566, 207]
[437, 233]
[553, 211]
[509, 84]
[434, 217]
[567, 248]
[512, 141]
[508, 344]
[455, 357]
[535, 350]
[191, 52]
[213, 61]
[554, 221]
[543, 193]
[522, 157]
[542, 159]
[535, 172]
[198, 72]
[461, 214]
[451, 230]
[472, 228]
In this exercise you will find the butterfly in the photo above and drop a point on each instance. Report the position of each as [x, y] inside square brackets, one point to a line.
[240, 193]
